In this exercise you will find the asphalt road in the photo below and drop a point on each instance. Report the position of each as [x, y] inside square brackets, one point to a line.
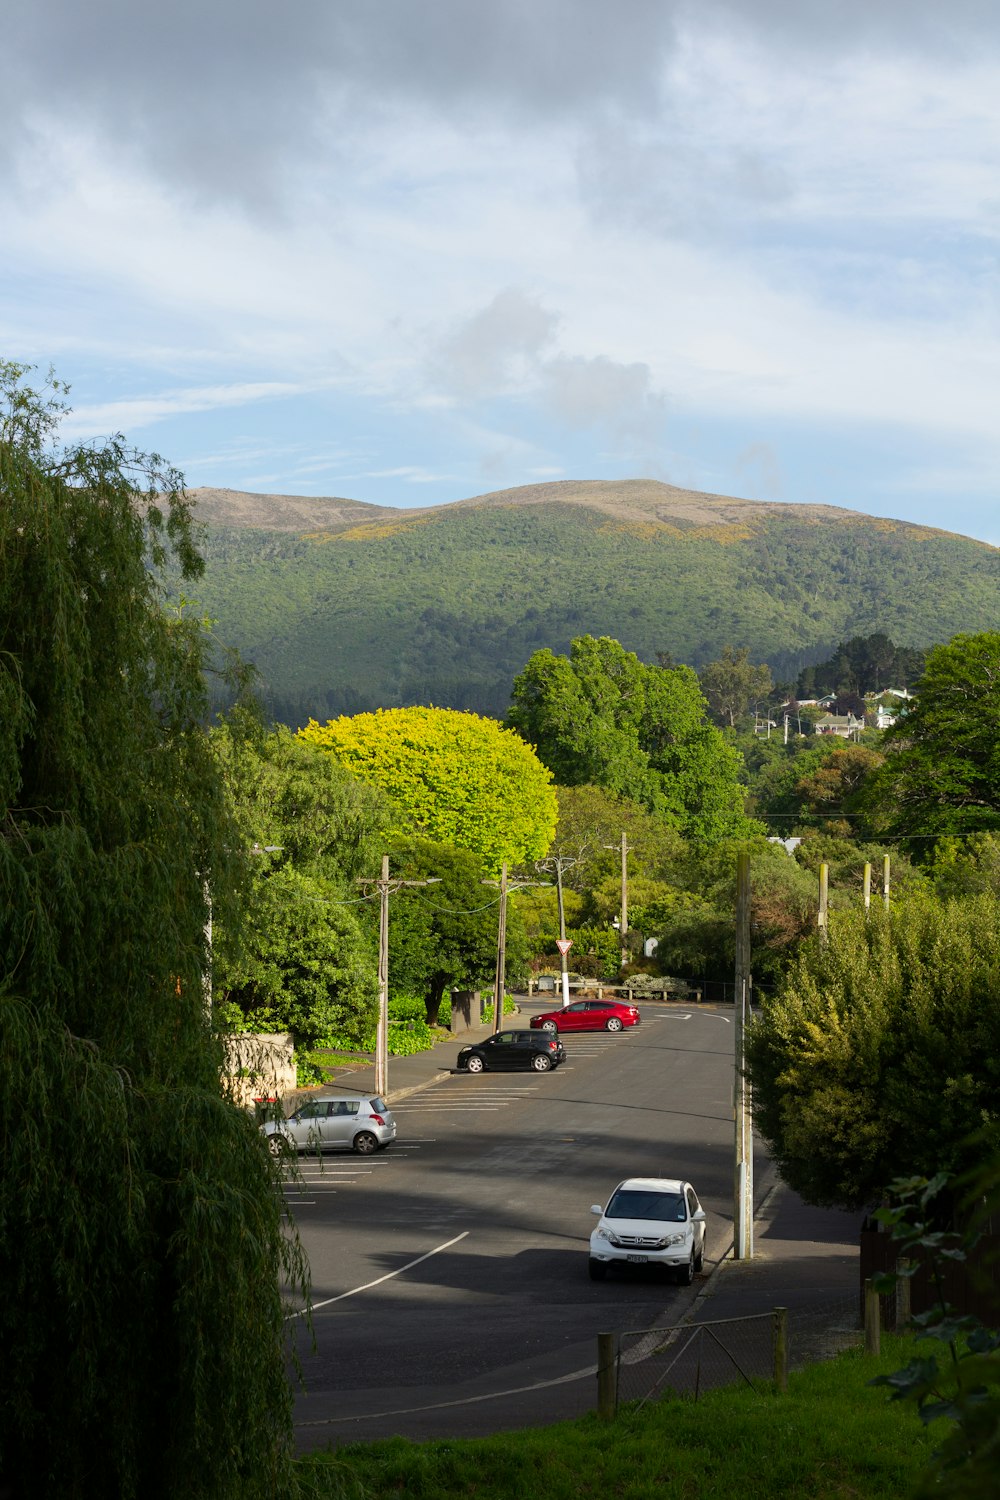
[450, 1285]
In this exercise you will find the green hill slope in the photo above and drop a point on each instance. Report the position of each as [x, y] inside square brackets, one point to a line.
[345, 606]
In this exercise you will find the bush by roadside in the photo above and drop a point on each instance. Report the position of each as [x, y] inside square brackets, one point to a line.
[832, 1435]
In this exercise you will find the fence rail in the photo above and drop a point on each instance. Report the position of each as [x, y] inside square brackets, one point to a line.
[643, 1364]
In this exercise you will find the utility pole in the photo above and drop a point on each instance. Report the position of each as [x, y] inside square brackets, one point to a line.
[823, 915]
[743, 1142]
[623, 927]
[500, 981]
[382, 1025]
[558, 863]
[868, 887]
[498, 988]
[385, 887]
[624, 894]
[563, 947]
[623, 920]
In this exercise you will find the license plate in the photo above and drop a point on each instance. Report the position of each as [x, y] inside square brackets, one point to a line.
[637, 1260]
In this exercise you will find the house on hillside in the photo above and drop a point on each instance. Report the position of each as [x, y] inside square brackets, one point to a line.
[845, 725]
[883, 709]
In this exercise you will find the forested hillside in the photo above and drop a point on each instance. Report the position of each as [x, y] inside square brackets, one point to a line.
[370, 607]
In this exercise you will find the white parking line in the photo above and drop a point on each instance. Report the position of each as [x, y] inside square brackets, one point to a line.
[379, 1280]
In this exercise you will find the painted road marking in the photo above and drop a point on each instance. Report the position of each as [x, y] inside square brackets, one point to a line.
[367, 1286]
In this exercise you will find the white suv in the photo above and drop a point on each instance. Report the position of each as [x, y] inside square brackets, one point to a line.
[655, 1221]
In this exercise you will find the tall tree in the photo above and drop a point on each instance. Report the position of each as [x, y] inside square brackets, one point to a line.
[877, 1059]
[733, 684]
[301, 960]
[452, 777]
[942, 772]
[143, 1240]
[864, 664]
[603, 716]
[445, 935]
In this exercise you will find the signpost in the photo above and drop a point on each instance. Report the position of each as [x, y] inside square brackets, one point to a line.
[564, 944]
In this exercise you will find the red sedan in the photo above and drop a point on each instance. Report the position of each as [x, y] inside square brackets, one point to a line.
[588, 1015]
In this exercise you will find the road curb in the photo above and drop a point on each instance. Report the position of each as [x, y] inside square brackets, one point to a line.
[727, 1258]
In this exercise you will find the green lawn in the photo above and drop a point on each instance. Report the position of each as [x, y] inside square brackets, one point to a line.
[831, 1435]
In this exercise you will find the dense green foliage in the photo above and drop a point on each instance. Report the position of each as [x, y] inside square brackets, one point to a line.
[734, 684]
[822, 786]
[601, 716]
[942, 775]
[142, 1237]
[864, 664]
[830, 1437]
[444, 935]
[453, 777]
[957, 1372]
[303, 959]
[446, 607]
[877, 1057]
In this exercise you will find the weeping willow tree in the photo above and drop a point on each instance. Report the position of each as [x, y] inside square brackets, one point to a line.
[141, 1241]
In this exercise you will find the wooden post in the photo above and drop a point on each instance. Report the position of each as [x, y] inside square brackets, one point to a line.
[868, 886]
[624, 918]
[382, 1026]
[779, 1338]
[873, 1319]
[607, 1375]
[743, 1137]
[902, 1296]
[885, 882]
[500, 984]
[823, 915]
[563, 952]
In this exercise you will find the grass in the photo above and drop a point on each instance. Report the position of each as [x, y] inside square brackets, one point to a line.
[832, 1436]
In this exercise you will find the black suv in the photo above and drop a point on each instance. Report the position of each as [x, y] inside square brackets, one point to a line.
[538, 1050]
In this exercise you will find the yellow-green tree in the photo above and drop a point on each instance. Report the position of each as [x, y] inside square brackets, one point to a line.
[453, 777]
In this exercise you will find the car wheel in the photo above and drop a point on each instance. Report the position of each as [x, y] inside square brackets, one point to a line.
[365, 1144]
[598, 1270]
[277, 1145]
[686, 1273]
[474, 1064]
[541, 1063]
[614, 1024]
[699, 1260]
[549, 1026]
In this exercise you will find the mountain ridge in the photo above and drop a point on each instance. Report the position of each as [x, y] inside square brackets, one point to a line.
[640, 500]
[345, 606]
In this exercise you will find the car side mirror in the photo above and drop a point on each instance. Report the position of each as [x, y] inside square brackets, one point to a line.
[698, 1215]
[595, 1208]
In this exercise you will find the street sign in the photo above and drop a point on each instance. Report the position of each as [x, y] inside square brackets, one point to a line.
[564, 944]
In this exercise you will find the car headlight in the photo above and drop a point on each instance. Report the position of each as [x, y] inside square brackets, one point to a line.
[670, 1239]
[605, 1234]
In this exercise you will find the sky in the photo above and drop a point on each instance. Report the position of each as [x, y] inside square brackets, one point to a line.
[406, 251]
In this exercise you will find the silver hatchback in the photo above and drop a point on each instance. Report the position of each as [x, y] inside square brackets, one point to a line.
[362, 1122]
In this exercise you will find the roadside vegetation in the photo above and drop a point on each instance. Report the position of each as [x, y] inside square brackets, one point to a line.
[168, 881]
[829, 1437]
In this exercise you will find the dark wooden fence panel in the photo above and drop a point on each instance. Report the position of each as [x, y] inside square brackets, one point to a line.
[970, 1287]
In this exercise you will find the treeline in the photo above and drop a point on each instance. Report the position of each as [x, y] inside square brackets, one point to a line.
[164, 883]
[447, 608]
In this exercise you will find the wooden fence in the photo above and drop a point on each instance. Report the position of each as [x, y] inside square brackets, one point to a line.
[972, 1286]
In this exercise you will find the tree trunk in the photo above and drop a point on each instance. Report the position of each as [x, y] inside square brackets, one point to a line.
[434, 996]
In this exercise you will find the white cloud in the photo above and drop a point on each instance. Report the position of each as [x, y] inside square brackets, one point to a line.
[118, 416]
[511, 240]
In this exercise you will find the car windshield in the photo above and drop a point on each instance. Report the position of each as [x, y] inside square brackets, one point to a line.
[642, 1203]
